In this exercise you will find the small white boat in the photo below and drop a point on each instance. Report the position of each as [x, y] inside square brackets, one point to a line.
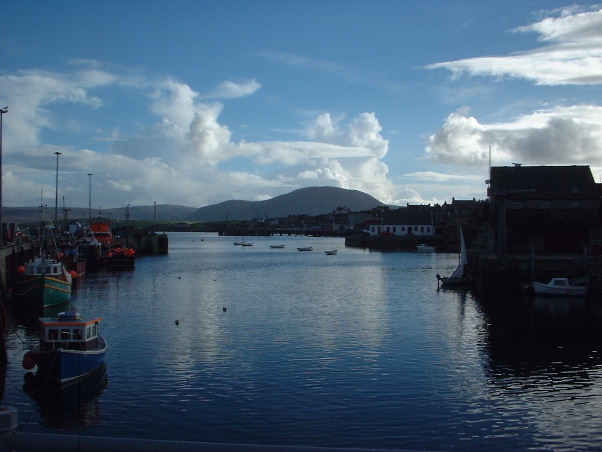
[330, 252]
[277, 246]
[558, 287]
[305, 248]
[424, 248]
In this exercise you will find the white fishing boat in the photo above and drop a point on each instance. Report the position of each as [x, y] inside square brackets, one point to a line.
[424, 248]
[460, 277]
[561, 287]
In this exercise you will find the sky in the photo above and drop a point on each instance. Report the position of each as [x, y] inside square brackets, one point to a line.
[198, 102]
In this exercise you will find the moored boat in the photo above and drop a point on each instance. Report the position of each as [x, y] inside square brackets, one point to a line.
[42, 282]
[561, 287]
[119, 257]
[102, 249]
[330, 252]
[460, 277]
[305, 248]
[69, 349]
[424, 248]
[277, 246]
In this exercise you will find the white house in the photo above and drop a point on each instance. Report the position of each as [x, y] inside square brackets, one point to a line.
[404, 222]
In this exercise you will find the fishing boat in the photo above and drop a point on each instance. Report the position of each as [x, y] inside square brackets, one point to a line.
[561, 287]
[330, 252]
[277, 246]
[43, 281]
[424, 248]
[121, 257]
[69, 349]
[305, 248]
[460, 277]
[102, 249]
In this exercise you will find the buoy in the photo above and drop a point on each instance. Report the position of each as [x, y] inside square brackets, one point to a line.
[225, 309]
[21, 269]
[177, 322]
[73, 274]
[28, 361]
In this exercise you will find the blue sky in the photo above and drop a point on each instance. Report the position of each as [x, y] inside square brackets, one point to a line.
[198, 102]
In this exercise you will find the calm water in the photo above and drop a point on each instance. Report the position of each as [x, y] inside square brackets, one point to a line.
[354, 350]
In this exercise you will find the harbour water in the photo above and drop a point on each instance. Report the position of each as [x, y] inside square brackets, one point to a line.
[359, 349]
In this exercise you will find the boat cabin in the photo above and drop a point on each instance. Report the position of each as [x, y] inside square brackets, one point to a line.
[40, 266]
[68, 331]
[101, 230]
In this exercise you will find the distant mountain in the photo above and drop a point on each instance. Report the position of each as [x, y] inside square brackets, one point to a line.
[308, 201]
[32, 214]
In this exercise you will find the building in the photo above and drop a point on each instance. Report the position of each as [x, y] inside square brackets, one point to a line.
[404, 222]
[547, 209]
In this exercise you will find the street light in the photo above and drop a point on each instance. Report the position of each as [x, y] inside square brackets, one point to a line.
[90, 197]
[2, 111]
[56, 193]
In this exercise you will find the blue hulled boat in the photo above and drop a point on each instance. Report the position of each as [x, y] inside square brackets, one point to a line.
[70, 348]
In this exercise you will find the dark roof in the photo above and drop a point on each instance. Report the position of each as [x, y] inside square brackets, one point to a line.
[409, 217]
[548, 182]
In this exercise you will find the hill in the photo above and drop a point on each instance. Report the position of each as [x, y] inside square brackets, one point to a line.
[305, 201]
[21, 215]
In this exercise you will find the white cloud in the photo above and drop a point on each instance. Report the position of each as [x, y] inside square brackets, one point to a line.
[560, 135]
[232, 90]
[186, 156]
[574, 55]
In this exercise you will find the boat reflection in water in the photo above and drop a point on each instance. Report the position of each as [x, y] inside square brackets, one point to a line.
[67, 405]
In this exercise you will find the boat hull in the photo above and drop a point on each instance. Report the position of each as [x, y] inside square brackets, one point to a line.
[42, 291]
[540, 289]
[63, 366]
[121, 261]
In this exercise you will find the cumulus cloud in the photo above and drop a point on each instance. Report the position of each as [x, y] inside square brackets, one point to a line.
[179, 152]
[560, 135]
[573, 54]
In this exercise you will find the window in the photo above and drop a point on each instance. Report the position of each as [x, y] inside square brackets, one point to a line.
[53, 334]
[394, 228]
[65, 334]
[77, 335]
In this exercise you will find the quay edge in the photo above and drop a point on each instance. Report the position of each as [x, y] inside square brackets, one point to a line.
[495, 277]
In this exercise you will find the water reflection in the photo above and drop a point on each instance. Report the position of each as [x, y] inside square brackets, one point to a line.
[545, 367]
[67, 405]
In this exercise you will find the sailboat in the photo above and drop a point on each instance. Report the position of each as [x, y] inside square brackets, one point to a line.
[460, 276]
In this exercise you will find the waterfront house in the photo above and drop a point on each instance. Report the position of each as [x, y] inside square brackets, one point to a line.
[405, 222]
[548, 209]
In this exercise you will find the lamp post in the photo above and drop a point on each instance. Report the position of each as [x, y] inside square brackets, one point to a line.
[56, 193]
[2, 111]
[89, 198]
